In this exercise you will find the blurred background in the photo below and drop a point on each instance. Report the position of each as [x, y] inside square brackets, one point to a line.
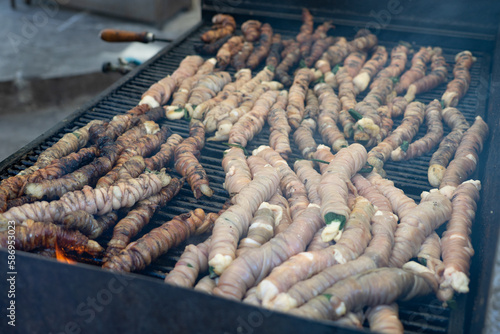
[51, 60]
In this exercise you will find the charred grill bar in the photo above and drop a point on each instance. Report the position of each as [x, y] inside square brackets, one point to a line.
[64, 298]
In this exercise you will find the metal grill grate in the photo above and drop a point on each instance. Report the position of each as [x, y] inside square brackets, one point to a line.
[424, 315]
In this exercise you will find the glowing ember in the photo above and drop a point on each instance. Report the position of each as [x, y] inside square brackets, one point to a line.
[61, 257]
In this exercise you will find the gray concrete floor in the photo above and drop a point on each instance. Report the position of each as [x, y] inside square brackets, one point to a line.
[67, 43]
[62, 46]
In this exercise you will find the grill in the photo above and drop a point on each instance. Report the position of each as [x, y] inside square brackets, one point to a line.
[65, 298]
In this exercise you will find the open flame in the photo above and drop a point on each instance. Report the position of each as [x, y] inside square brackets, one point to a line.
[61, 257]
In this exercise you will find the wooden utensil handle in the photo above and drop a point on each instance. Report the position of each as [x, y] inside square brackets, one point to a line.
[115, 35]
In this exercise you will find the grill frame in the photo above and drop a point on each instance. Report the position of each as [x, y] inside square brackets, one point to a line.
[458, 322]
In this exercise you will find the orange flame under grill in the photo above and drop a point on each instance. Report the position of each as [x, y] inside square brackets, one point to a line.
[61, 257]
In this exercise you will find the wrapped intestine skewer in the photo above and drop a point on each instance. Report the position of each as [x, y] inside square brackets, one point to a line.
[417, 70]
[351, 320]
[438, 75]
[70, 142]
[261, 228]
[88, 224]
[333, 55]
[323, 153]
[144, 146]
[280, 129]
[370, 69]
[221, 110]
[223, 25]
[159, 93]
[399, 56]
[228, 50]
[291, 186]
[181, 95]
[434, 134]
[333, 188]
[466, 157]
[206, 284]
[385, 319]
[233, 283]
[321, 31]
[414, 116]
[194, 260]
[347, 96]
[317, 242]
[429, 254]
[241, 77]
[354, 62]
[329, 116]
[31, 235]
[440, 159]
[456, 243]
[457, 88]
[237, 171]
[206, 88]
[12, 187]
[88, 174]
[368, 126]
[252, 122]
[417, 225]
[310, 177]
[234, 222]
[285, 220]
[139, 216]
[318, 48]
[63, 165]
[254, 265]
[94, 201]
[225, 114]
[262, 50]
[186, 161]
[312, 105]
[138, 254]
[304, 139]
[364, 40]
[371, 288]
[163, 157]
[377, 253]
[296, 98]
[211, 48]
[306, 31]
[287, 44]
[274, 57]
[251, 297]
[351, 244]
[251, 30]
[401, 204]
[249, 101]
[109, 155]
[289, 59]
[338, 51]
